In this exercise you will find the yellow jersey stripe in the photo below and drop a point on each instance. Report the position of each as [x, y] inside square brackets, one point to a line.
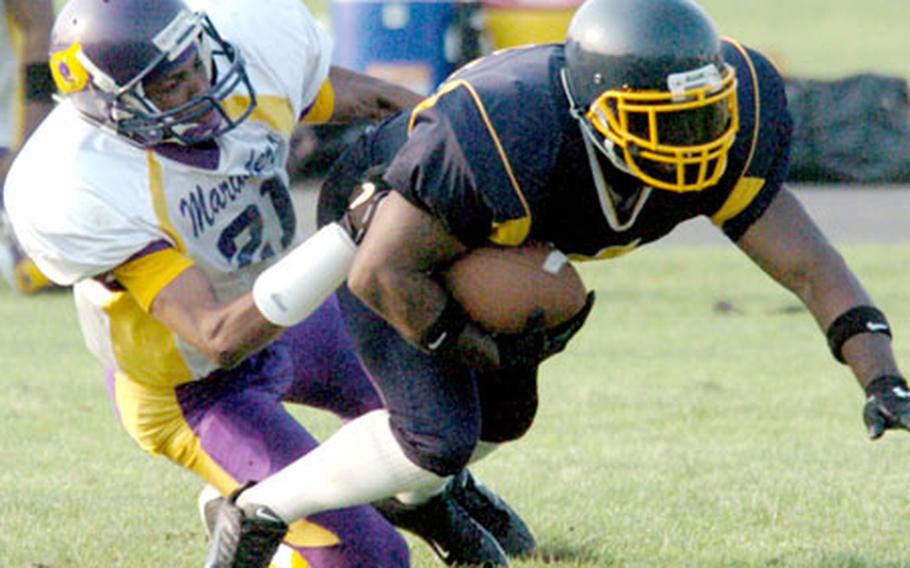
[276, 112]
[323, 107]
[742, 195]
[159, 201]
[147, 275]
[608, 252]
[745, 186]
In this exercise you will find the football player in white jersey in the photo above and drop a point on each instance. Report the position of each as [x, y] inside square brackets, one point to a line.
[157, 188]
[25, 99]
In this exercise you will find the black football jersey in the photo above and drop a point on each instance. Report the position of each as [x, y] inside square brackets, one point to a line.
[496, 154]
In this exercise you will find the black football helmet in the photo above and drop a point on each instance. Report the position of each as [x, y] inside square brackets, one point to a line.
[647, 82]
[102, 51]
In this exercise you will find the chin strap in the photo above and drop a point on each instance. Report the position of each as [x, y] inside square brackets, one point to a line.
[608, 198]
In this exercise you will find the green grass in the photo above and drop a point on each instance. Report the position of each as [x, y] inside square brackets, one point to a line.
[821, 38]
[669, 434]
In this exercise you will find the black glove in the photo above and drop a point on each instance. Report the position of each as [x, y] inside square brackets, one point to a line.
[536, 344]
[364, 203]
[558, 337]
[522, 350]
[887, 405]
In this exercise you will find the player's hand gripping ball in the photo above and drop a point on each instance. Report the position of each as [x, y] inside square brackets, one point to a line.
[501, 287]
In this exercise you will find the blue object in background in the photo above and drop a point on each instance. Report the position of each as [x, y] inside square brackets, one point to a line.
[415, 44]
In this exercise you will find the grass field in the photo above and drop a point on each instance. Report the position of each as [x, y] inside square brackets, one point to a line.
[669, 434]
[821, 38]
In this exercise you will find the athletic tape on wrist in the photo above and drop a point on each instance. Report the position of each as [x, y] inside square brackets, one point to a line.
[443, 333]
[292, 288]
[39, 83]
[857, 320]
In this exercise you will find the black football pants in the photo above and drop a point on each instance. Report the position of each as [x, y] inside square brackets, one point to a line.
[438, 408]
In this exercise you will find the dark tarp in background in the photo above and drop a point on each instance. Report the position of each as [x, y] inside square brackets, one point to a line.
[850, 130]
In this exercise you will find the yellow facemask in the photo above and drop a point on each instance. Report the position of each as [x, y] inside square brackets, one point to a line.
[675, 140]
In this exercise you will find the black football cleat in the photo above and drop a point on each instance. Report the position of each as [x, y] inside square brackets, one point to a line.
[455, 537]
[244, 537]
[494, 514]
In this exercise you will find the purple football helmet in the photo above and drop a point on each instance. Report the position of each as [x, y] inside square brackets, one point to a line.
[101, 52]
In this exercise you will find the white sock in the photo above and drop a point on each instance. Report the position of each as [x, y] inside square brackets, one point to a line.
[362, 462]
[482, 450]
[418, 497]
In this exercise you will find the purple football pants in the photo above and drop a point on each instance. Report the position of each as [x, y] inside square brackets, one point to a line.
[232, 427]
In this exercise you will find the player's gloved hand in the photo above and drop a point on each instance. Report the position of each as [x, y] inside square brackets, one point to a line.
[536, 343]
[365, 201]
[525, 349]
[887, 405]
[558, 337]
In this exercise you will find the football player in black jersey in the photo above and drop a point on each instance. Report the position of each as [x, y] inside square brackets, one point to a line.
[643, 119]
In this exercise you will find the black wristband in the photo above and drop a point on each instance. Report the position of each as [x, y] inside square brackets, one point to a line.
[885, 382]
[443, 333]
[861, 319]
[39, 83]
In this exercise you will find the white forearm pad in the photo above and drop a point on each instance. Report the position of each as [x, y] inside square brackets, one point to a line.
[292, 288]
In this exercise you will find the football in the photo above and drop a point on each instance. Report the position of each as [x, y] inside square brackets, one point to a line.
[500, 287]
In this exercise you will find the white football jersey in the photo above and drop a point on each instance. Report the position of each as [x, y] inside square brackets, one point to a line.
[83, 201]
[8, 82]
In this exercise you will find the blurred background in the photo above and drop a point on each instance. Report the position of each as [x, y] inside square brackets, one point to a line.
[845, 62]
[808, 38]
[821, 38]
